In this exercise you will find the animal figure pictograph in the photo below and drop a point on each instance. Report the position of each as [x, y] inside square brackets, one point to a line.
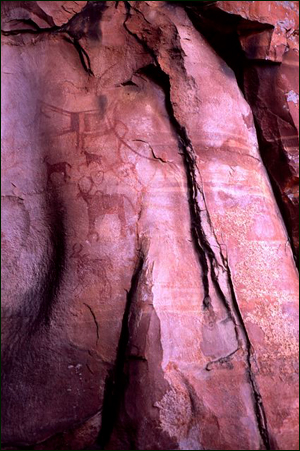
[60, 168]
[99, 204]
[91, 123]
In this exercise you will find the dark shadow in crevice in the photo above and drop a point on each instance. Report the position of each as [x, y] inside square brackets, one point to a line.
[221, 30]
[116, 381]
[87, 22]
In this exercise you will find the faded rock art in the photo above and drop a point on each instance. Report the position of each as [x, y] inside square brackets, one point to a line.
[100, 204]
[150, 293]
[83, 123]
[59, 168]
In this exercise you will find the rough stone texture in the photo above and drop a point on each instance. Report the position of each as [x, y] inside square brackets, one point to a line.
[269, 28]
[149, 287]
[37, 15]
[265, 39]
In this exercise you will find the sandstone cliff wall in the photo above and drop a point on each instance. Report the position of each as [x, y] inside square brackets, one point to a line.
[149, 225]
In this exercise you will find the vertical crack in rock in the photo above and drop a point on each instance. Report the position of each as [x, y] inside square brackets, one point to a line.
[69, 29]
[258, 403]
[207, 258]
[226, 43]
[95, 320]
[199, 239]
[115, 382]
[205, 254]
[83, 56]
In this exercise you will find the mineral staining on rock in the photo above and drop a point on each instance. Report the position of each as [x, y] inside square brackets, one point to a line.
[260, 40]
[149, 287]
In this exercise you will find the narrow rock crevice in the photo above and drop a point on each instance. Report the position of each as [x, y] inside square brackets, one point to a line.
[83, 56]
[206, 256]
[155, 157]
[154, 72]
[115, 383]
[231, 304]
[128, 83]
[221, 30]
[34, 31]
[95, 320]
[257, 399]
[70, 29]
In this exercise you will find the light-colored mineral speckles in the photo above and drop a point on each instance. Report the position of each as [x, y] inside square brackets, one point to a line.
[292, 96]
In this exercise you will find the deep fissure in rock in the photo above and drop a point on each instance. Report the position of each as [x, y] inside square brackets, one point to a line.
[200, 241]
[116, 382]
[220, 29]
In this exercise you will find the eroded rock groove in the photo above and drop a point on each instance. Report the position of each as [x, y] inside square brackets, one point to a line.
[130, 159]
[116, 382]
[201, 243]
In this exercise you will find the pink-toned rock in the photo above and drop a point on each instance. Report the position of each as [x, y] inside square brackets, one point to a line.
[149, 289]
[268, 28]
[260, 41]
[19, 15]
[61, 12]
[273, 93]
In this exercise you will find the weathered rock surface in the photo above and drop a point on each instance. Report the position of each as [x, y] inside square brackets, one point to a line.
[260, 40]
[149, 288]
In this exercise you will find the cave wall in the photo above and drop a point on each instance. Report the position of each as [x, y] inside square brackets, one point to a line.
[150, 290]
[260, 42]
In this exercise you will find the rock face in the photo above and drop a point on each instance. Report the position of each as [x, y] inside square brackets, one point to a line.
[265, 39]
[149, 287]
